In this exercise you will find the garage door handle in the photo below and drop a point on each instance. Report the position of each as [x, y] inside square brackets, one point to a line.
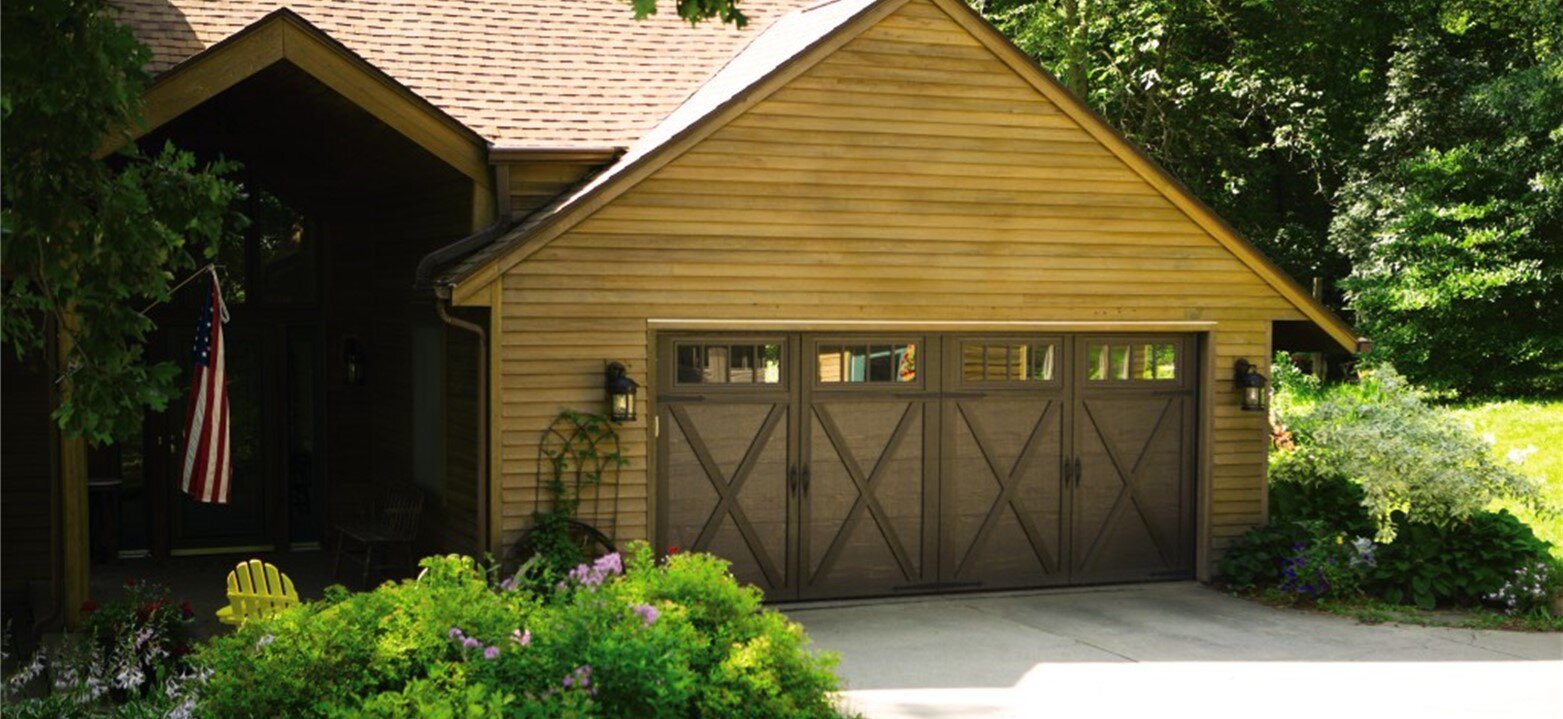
[1077, 471]
[792, 480]
[805, 480]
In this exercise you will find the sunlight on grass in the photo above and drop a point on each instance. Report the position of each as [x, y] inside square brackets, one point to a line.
[1518, 426]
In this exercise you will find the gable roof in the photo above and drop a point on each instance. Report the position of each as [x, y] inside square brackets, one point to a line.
[554, 73]
[786, 49]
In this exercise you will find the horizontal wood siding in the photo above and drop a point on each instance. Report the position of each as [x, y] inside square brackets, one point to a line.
[910, 176]
[533, 184]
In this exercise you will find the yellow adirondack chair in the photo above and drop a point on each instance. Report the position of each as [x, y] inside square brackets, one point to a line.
[256, 590]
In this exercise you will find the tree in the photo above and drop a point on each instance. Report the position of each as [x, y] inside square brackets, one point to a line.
[694, 11]
[1453, 218]
[89, 242]
[1255, 105]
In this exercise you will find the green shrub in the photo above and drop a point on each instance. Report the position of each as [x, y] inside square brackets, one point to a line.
[1459, 563]
[1333, 502]
[1255, 559]
[1411, 460]
[630, 637]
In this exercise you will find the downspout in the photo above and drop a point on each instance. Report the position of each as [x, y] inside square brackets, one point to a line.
[442, 307]
[423, 280]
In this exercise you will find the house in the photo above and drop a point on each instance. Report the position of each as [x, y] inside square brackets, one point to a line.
[905, 315]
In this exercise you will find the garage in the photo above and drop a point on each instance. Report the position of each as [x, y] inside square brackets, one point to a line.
[842, 465]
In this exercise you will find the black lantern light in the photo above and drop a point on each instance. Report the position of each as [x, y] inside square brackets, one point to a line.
[621, 393]
[353, 361]
[1252, 386]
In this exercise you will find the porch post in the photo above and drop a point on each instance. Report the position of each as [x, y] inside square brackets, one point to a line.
[75, 555]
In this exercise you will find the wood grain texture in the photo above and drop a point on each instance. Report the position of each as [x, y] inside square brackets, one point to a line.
[868, 190]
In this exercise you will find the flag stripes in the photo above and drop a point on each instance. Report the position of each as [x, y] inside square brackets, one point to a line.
[207, 463]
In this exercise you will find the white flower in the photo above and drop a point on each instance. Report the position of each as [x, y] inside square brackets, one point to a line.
[1518, 456]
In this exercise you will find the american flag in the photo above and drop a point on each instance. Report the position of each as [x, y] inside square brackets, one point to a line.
[208, 465]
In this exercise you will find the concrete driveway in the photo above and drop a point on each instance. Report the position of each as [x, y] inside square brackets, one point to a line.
[1182, 648]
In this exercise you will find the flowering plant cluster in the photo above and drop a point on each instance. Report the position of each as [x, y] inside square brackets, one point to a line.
[130, 656]
[1328, 567]
[623, 635]
[1530, 588]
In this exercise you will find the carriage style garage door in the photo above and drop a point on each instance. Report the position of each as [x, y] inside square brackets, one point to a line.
[856, 465]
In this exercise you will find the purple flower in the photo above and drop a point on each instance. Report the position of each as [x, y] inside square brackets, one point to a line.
[508, 585]
[581, 677]
[591, 575]
[470, 643]
[491, 653]
[648, 613]
[454, 634]
[522, 637]
[609, 564]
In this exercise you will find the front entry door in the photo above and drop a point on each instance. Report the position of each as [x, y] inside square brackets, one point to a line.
[270, 368]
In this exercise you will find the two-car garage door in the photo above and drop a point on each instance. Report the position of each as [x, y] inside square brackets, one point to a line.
[852, 465]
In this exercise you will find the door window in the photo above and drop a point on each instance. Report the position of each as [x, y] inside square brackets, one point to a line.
[866, 363]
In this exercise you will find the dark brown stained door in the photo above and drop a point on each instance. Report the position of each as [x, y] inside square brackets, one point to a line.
[726, 421]
[1002, 498]
[837, 465]
[866, 468]
[1132, 514]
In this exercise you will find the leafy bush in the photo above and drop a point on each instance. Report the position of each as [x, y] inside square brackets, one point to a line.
[1460, 563]
[1371, 458]
[1409, 459]
[615, 638]
[1255, 559]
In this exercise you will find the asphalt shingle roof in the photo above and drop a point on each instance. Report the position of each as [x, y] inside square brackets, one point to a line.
[550, 73]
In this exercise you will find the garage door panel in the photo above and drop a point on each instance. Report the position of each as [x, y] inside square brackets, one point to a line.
[1002, 495]
[1127, 501]
[727, 485]
[864, 494]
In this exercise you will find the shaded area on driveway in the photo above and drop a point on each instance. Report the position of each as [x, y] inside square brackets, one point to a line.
[1142, 647]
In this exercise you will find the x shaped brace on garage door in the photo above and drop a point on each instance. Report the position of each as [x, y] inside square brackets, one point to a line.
[1129, 493]
[727, 489]
[1008, 483]
[865, 488]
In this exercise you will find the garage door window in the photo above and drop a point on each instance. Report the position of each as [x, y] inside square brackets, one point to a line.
[729, 363]
[867, 364]
[1007, 362]
[1136, 362]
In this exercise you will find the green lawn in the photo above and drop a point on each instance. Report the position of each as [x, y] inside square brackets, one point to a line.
[1519, 425]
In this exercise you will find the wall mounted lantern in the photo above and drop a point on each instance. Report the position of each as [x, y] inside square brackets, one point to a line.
[353, 361]
[621, 393]
[1252, 386]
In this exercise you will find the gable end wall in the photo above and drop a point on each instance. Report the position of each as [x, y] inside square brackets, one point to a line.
[911, 175]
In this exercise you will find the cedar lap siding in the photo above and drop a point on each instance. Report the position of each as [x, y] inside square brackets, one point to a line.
[846, 166]
[906, 168]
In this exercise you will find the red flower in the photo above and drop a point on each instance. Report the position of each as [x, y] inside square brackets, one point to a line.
[179, 650]
[145, 611]
[185, 610]
[674, 550]
[89, 606]
[131, 582]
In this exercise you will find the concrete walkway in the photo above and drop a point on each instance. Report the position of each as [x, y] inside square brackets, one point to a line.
[1151, 650]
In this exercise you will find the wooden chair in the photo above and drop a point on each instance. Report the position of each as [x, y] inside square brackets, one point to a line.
[391, 524]
[256, 590]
